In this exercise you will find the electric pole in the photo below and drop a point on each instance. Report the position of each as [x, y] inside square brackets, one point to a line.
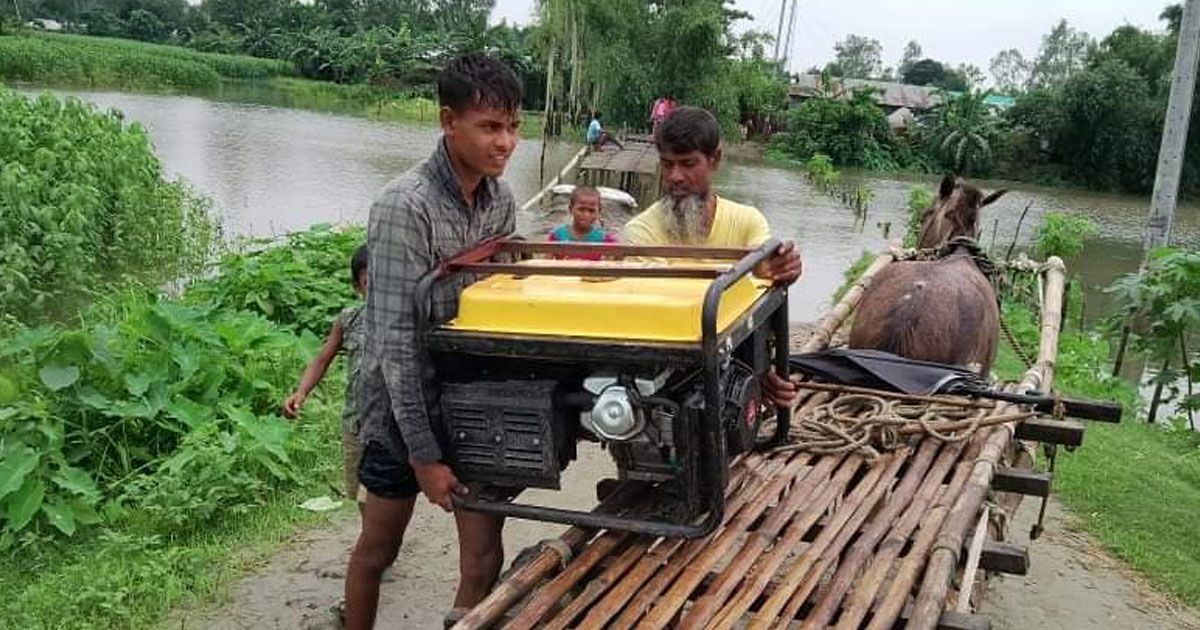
[1175, 130]
[779, 29]
[787, 46]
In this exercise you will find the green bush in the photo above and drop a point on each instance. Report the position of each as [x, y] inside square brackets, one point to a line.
[300, 283]
[145, 386]
[1161, 303]
[83, 204]
[848, 131]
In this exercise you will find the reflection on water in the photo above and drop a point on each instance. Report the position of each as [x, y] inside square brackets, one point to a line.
[271, 170]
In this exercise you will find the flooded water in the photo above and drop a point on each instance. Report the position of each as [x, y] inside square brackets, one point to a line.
[271, 170]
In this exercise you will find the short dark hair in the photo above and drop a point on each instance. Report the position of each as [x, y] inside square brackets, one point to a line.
[358, 263]
[583, 190]
[689, 129]
[478, 80]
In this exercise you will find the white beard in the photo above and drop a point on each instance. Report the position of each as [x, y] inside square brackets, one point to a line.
[686, 214]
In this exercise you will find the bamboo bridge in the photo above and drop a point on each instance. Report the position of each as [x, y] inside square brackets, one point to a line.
[632, 168]
[809, 540]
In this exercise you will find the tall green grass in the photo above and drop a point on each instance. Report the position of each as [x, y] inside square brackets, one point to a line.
[84, 203]
[116, 63]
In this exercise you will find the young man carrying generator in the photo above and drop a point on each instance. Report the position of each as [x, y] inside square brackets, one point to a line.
[443, 205]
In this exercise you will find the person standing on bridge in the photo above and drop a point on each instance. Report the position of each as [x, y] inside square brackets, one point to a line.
[691, 213]
[450, 201]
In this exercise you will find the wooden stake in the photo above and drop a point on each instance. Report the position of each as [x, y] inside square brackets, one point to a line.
[968, 581]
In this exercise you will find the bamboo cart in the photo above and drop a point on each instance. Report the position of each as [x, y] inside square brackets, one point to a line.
[845, 539]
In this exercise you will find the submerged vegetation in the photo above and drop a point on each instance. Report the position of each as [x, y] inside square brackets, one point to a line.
[85, 205]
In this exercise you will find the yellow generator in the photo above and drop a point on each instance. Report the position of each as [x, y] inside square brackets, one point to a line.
[655, 352]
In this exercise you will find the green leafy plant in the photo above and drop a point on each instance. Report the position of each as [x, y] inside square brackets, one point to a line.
[1063, 235]
[1161, 305]
[87, 411]
[98, 61]
[300, 282]
[820, 172]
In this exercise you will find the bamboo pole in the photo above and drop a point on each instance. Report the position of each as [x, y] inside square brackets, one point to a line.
[854, 508]
[860, 600]
[805, 505]
[546, 113]
[931, 599]
[549, 594]
[529, 203]
[836, 317]
[822, 615]
[524, 579]
[645, 596]
[827, 495]
[695, 570]
[614, 602]
[829, 558]
[897, 594]
[595, 588]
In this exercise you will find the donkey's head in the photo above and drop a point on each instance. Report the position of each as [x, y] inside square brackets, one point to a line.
[954, 213]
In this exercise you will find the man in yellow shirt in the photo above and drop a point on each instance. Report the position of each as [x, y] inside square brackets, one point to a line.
[690, 213]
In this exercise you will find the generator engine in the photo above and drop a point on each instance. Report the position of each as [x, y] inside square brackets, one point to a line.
[657, 363]
[637, 418]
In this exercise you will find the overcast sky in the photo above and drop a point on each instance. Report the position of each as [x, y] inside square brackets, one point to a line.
[956, 31]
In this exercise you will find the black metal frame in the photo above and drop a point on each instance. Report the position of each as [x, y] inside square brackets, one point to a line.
[713, 346]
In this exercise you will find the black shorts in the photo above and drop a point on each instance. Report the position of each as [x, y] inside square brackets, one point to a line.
[383, 476]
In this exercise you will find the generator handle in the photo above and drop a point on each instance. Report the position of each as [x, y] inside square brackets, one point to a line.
[711, 430]
[424, 291]
[712, 297]
[591, 520]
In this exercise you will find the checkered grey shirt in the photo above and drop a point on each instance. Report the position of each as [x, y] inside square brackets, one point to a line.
[419, 220]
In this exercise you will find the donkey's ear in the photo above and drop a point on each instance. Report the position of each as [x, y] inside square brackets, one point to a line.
[992, 197]
[947, 186]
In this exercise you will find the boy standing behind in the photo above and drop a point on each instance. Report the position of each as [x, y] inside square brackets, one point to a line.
[345, 336]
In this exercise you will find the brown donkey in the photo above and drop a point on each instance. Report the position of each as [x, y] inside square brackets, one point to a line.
[939, 310]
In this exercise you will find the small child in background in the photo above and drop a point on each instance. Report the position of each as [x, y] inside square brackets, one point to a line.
[585, 212]
[345, 336]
